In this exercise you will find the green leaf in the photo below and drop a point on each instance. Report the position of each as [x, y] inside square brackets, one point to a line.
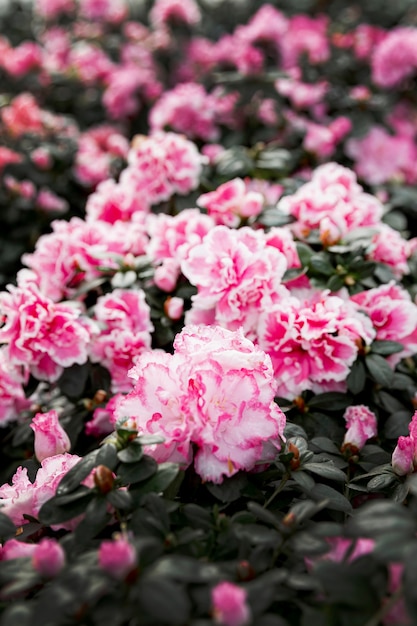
[131, 473]
[380, 517]
[386, 348]
[163, 601]
[321, 263]
[263, 514]
[336, 500]
[326, 470]
[410, 582]
[325, 445]
[7, 528]
[56, 511]
[357, 377]
[131, 454]
[76, 474]
[96, 518]
[120, 499]
[304, 253]
[230, 489]
[166, 473]
[378, 483]
[330, 401]
[379, 369]
[185, 569]
[304, 480]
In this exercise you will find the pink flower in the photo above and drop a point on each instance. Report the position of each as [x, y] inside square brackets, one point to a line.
[361, 425]
[163, 164]
[97, 149]
[12, 394]
[14, 549]
[187, 109]
[305, 35]
[22, 115]
[333, 193]
[103, 420]
[231, 202]
[41, 335]
[403, 456]
[381, 157]
[48, 201]
[113, 11]
[312, 340]
[234, 270]
[75, 250]
[229, 605]
[23, 497]
[174, 308]
[51, 9]
[50, 437]
[112, 202]
[124, 318]
[215, 391]
[22, 59]
[182, 11]
[117, 557]
[395, 57]
[48, 557]
[393, 316]
[171, 238]
[389, 247]
[8, 156]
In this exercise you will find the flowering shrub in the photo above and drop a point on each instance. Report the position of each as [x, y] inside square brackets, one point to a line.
[208, 313]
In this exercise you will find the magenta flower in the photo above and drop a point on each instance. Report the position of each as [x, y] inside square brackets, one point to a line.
[48, 558]
[42, 335]
[231, 202]
[50, 437]
[117, 557]
[229, 605]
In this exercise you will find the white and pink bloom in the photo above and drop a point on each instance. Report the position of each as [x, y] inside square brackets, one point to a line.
[361, 425]
[41, 335]
[216, 391]
[163, 164]
[230, 605]
[234, 270]
[12, 394]
[232, 202]
[393, 316]
[312, 338]
[23, 497]
[125, 324]
[50, 437]
[404, 457]
[333, 193]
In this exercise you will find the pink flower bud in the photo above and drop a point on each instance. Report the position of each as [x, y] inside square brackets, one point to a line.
[174, 308]
[362, 425]
[50, 437]
[48, 558]
[166, 275]
[14, 549]
[402, 457]
[230, 606]
[117, 557]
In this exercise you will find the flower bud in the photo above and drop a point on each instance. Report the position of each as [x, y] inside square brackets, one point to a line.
[117, 557]
[103, 479]
[229, 604]
[50, 438]
[48, 558]
[402, 457]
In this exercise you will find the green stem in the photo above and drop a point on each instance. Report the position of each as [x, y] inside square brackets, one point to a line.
[278, 490]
